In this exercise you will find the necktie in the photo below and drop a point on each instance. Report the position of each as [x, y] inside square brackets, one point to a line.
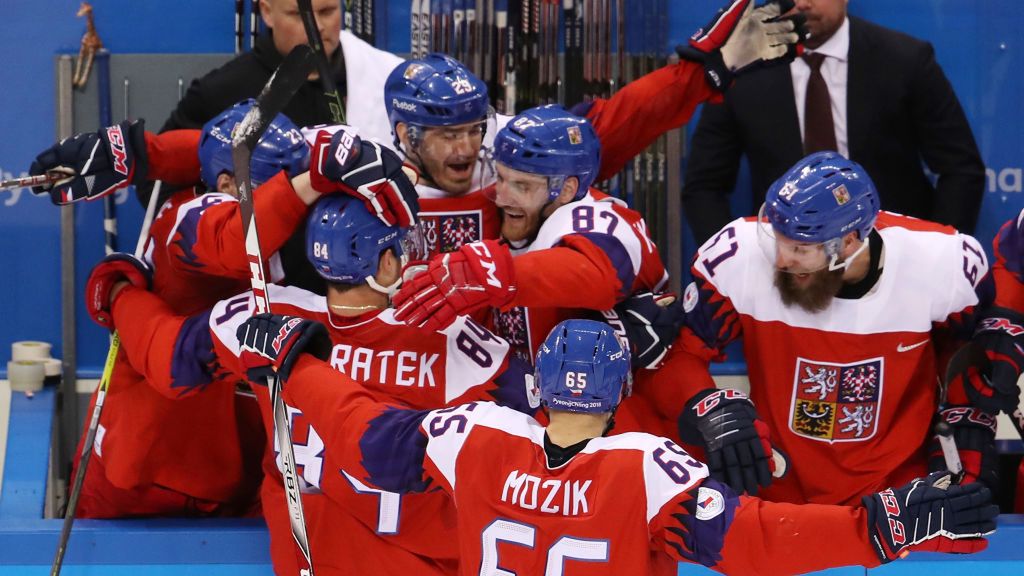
[819, 130]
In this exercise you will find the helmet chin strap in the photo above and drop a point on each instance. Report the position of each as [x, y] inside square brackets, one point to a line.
[833, 263]
[388, 290]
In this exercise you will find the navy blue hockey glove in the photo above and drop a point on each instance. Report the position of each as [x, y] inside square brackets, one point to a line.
[112, 270]
[649, 323]
[271, 343]
[736, 441]
[342, 162]
[742, 36]
[974, 433]
[930, 514]
[993, 362]
[95, 163]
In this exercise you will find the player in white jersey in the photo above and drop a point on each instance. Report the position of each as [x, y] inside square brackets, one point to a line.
[843, 353]
[532, 499]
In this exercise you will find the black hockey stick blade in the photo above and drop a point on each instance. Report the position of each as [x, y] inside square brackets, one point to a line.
[322, 65]
[283, 84]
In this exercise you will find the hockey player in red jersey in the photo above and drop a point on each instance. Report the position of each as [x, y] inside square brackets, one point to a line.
[536, 500]
[843, 352]
[360, 258]
[568, 250]
[158, 453]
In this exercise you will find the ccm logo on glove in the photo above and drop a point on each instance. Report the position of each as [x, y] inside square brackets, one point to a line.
[117, 151]
[487, 262]
[283, 333]
[709, 403]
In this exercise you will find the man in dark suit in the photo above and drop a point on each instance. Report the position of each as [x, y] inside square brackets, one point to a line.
[889, 105]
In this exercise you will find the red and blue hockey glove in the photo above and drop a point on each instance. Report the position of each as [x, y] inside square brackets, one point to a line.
[271, 343]
[930, 514]
[478, 275]
[736, 442]
[113, 269]
[974, 432]
[650, 324]
[96, 163]
[741, 36]
[343, 162]
[995, 361]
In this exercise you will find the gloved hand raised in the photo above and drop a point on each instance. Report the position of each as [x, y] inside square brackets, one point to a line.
[343, 162]
[478, 275]
[96, 163]
[741, 36]
[651, 323]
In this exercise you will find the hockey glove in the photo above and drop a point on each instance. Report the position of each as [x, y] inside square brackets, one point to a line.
[271, 343]
[736, 441]
[95, 163]
[342, 162]
[115, 268]
[974, 432]
[650, 324]
[990, 379]
[478, 275]
[930, 514]
[741, 36]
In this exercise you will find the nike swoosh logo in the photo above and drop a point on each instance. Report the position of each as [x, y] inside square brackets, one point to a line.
[902, 348]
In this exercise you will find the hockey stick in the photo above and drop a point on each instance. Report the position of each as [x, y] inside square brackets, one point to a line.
[283, 84]
[31, 181]
[326, 79]
[106, 119]
[101, 394]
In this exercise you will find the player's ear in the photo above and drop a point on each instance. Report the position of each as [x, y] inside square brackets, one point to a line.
[572, 184]
[226, 184]
[851, 242]
[402, 131]
[389, 267]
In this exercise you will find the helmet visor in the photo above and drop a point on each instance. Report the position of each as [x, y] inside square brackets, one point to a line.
[415, 252]
[793, 256]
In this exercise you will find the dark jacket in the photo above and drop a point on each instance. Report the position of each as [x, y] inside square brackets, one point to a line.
[901, 110]
[244, 77]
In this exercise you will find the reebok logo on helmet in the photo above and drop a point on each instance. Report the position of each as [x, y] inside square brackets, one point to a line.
[407, 106]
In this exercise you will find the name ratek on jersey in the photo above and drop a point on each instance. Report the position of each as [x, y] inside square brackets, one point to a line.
[401, 368]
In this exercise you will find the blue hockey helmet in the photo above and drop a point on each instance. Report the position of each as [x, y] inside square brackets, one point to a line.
[551, 141]
[282, 147]
[820, 200]
[581, 367]
[436, 90]
[344, 241]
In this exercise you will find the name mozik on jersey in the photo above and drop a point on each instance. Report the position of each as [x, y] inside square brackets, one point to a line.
[552, 496]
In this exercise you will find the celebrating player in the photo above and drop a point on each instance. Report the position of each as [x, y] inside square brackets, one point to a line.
[361, 261]
[843, 351]
[536, 500]
[159, 453]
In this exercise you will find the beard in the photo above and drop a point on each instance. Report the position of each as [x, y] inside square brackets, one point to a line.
[815, 295]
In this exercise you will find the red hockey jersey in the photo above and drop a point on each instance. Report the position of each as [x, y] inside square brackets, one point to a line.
[626, 504]
[202, 446]
[383, 532]
[848, 393]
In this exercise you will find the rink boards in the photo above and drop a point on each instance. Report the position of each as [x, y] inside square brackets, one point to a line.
[240, 547]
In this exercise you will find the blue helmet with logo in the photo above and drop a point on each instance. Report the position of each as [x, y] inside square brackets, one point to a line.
[436, 90]
[822, 198]
[551, 141]
[581, 367]
[282, 147]
[344, 240]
